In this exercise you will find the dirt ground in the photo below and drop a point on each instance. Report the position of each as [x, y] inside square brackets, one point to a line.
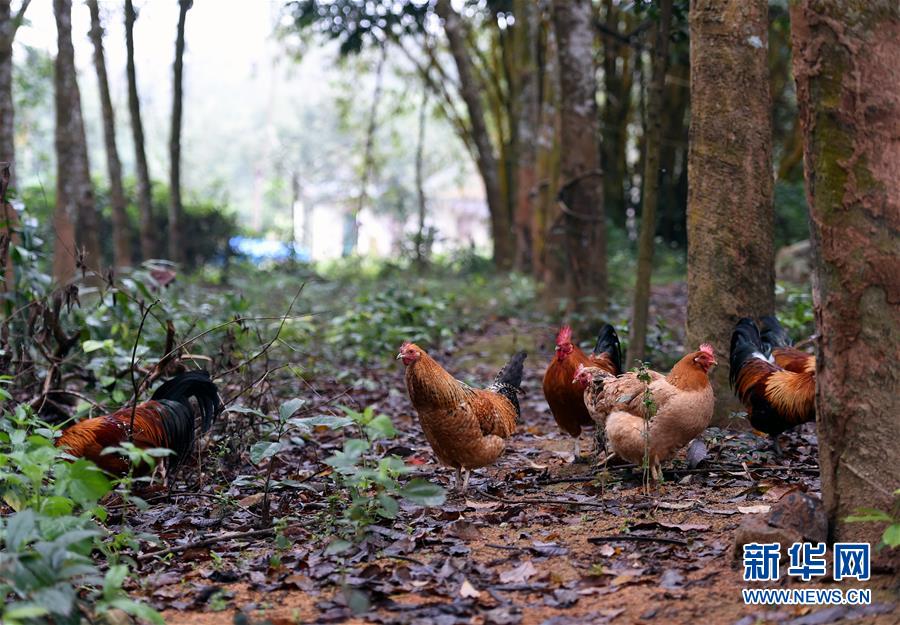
[537, 539]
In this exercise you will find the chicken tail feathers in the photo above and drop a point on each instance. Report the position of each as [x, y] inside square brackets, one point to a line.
[179, 425]
[772, 334]
[608, 343]
[194, 384]
[509, 381]
[745, 344]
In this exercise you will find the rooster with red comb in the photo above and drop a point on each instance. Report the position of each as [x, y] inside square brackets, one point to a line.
[566, 401]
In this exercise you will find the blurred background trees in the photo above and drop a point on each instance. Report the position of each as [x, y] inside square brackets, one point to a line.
[550, 127]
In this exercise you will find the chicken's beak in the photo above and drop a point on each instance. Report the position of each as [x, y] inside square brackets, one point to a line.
[399, 356]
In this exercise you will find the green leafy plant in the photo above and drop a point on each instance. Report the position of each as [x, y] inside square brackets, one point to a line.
[46, 571]
[650, 407]
[891, 535]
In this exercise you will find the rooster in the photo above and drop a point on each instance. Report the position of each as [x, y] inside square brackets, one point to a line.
[684, 406]
[466, 427]
[168, 420]
[774, 381]
[566, 401]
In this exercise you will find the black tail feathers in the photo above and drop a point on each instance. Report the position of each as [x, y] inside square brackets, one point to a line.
[194, 384]
[745, 341]
[509, 381]
[608, 343]
[772, 335]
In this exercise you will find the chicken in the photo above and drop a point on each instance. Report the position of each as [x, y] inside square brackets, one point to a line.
[684, 406]
[566, 401]
[774, 381]
[465, 427]
[168, 420]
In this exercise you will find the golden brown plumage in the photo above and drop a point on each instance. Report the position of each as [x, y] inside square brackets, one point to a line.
[566, 401]
[778, 389]
[684, 406]
[166, 421]
[465, 427]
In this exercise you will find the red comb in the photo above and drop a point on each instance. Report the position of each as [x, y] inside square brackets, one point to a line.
[707, 349]
[565, 336]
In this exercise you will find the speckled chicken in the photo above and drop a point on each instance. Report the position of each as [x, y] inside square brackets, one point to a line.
[466, 427]
[684, 406]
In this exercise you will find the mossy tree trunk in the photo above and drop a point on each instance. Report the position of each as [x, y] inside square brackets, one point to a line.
[527, 115]
[582, 221]
[848, 94]
[75, 218]
[730, 214]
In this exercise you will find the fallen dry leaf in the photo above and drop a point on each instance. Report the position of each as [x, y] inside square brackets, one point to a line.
[468, 591]
[518, 575]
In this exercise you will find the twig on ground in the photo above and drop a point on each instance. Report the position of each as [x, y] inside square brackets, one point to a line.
[211, 540]
[596, 540]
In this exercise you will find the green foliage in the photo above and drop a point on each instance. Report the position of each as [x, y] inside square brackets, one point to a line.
[46, 570]
[891, 536]
[795, 309]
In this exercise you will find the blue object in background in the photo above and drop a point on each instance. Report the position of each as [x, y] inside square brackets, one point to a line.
[261, 250]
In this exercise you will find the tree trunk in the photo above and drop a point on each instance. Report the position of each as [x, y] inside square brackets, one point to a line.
[421, 256]
[547, 157]
[144, 199]
[527, 103]
[848, 94]
[176, 251]
[581, 193]
[730, 214]
[650, 195]
[121, 238]
[486, 160]
[9, 23]
[76, 222]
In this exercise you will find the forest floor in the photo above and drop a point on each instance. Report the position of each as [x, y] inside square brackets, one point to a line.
[537, 539]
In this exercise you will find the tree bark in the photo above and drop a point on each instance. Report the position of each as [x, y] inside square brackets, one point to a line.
[9, 24]
[730, 214]
[144, 190]
[527, 105]
[486, 160]
[176, 251]
[848, 94]
[650, 195]
[75, 219]
[581, 194]
[121, 231]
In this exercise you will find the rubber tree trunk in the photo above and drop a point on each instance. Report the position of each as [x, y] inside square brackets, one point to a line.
[9, 24]
[75, 218]
[527, 105]
[121, 234]
[176, 249]
[650, 194]
[848, 95]
[581, 192]
[730, 217]
[471, 92]
[144, 190]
